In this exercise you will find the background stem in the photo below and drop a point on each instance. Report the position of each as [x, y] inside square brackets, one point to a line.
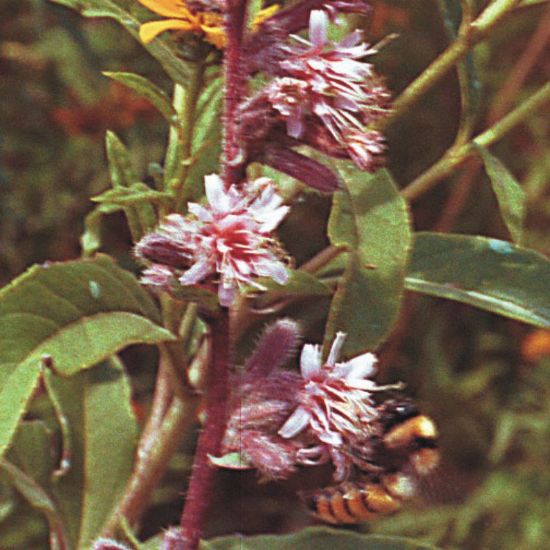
[457, 155]
[476, 32]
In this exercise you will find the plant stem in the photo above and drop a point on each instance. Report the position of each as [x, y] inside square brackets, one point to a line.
[476, 32]
[457, 155]
[150, 468]
[235, 90]
[321, 259]
[178, 154]
[217, 390]
[210, 439]
[514, 82]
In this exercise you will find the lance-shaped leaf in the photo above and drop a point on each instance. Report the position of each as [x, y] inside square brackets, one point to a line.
[470, 85]
[135, 194]
[141, 217]
[371, 220]
[102, 431]
[70, 315]
[90, 241]
[316, 538]
[509, 193]
[487, 273]
[150, 91]
[206, 142]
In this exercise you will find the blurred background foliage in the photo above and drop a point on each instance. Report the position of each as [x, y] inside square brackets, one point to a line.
[485, 379]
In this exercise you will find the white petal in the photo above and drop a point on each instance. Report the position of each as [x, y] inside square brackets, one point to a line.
[294, 126]
[331, 438]
[273, 269]
[227, 294]
[318, 23]
[197, 272]
[243, 267]
[295, 423]
[216, 194]
[350, 40]
[336, 348]
[273, 219]
[200, 211]
[362, 366]
[310, 361]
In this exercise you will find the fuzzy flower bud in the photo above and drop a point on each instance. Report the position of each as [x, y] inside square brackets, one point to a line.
[228, 241]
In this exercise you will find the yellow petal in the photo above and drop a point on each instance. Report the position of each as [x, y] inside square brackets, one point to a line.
[215, 35]
[167, 8]
[264, 14]
[212, 26]
[150, 30]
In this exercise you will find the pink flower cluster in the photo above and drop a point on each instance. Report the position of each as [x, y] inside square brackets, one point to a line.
[326, 96]
[330, 84]
[280, 419]
[227, 242]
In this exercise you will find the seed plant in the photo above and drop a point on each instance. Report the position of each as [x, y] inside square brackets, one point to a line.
[254, 348]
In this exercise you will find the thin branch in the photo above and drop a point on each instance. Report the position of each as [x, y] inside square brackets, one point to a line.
[475, 33]
[523, 66]
[150, 468]
[455, 156]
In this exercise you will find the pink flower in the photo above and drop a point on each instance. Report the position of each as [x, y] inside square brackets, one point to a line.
[335, 86]
[335, 403]
[228, 239]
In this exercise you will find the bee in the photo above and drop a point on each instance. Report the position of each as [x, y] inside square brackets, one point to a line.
[403, 451]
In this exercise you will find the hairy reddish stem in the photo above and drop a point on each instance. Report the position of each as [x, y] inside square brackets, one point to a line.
[235, 91]
[202, 478]
[217, 390]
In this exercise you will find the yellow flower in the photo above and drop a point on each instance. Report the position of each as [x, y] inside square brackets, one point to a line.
[180, 18]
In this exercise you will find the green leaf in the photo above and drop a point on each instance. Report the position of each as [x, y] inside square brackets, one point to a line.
[73, 314]
[369, 219]
[39, 499]
[103, 431]
[152, 544]
[135, 194]
[315, 538]
[487, 273]
[150, 91]
[161, 48]
[203, 296]
[206, 141]
[231, 461]
[299, 284]
[32, 451]
[91, 238]
[141, 217]
[510, 195]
